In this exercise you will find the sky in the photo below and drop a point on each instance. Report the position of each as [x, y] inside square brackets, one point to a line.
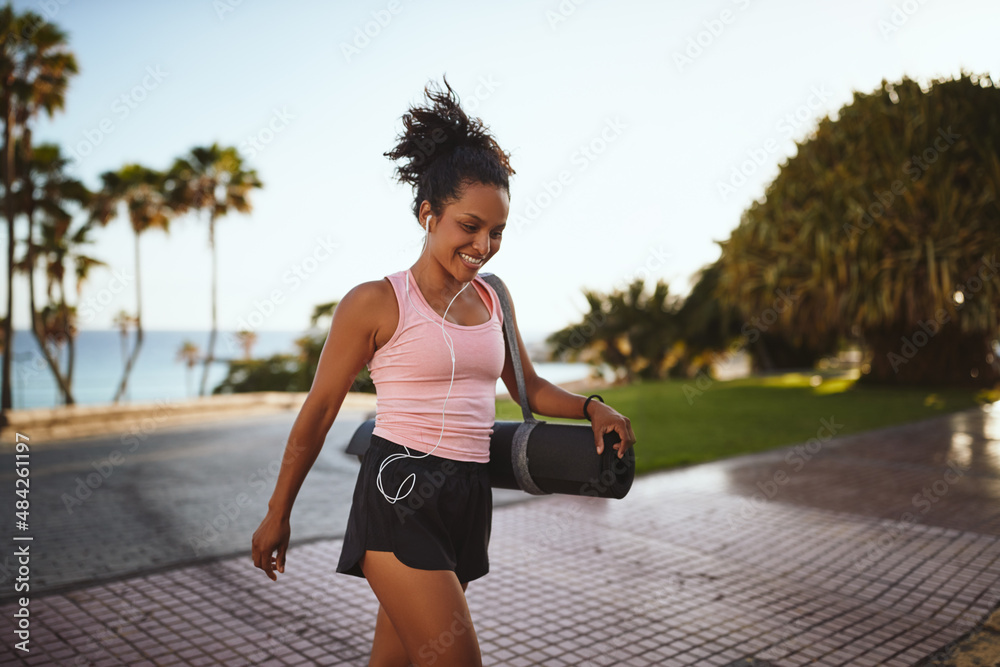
[639, 132]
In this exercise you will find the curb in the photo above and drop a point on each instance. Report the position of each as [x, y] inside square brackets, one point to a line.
[73, 422]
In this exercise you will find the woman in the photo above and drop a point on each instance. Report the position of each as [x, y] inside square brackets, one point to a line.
[420, 521]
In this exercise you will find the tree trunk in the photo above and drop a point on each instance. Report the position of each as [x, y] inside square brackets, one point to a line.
[6, 400]
[945, 356]
[138, 327]
[70, 340]
[64, 384]
[215, 288]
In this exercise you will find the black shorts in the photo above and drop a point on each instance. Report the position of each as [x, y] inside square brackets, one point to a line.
[443, 523]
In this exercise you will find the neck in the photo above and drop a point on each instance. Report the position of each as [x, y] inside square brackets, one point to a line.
[434, 281]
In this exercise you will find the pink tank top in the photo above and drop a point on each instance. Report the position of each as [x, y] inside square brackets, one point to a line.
[412, 372]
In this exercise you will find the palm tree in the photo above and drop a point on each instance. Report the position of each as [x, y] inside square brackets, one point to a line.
[189, 354]
[246, 340]
[141, 190]
[44, 191]
[34, 71]
[124, 322]
[57, 320]
[211, 179]
[632, 332]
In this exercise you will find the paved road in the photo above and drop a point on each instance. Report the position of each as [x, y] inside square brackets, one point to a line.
[105, 507]
[877, 550]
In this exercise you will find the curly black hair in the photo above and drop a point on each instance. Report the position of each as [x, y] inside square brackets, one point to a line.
[445, 151]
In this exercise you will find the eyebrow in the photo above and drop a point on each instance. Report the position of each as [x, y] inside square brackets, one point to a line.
[473, 215]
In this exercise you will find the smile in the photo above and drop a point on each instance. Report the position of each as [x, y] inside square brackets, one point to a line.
[471, 260]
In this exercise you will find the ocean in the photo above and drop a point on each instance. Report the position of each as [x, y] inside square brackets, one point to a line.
[158, 374]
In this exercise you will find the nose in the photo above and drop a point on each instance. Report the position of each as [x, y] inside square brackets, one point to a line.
[482, 244]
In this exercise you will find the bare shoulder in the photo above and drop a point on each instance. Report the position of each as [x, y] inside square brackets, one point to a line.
[373, 304]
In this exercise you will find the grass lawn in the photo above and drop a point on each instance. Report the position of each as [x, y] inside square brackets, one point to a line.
[726, 418]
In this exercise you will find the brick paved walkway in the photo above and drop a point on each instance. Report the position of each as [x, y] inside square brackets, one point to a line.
[868, 552]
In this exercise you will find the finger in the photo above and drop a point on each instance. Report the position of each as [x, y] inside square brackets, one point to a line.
[623, 443]
[599, 441]
[281, 557]
[268, 567]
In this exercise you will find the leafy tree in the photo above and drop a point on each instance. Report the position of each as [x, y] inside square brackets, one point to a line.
[189, 354]
[633, 332]
[211, 179]
[885, 225]
[56, 322]
[35, 67]
[140, 191]
[289, 372]
[45, 196]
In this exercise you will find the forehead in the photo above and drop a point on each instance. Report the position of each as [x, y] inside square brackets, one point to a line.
[487, 202]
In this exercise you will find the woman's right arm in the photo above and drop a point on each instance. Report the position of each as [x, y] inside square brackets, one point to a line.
[349, 345]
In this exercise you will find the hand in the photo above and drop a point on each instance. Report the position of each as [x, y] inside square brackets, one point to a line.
[273, 533]
[605, 419]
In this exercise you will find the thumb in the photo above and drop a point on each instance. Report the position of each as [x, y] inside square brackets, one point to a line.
[599, 441]
[281, 557]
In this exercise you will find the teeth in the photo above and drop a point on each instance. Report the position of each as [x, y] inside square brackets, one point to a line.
[471, 259]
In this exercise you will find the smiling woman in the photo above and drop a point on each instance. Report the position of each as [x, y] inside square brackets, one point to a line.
[426, 338]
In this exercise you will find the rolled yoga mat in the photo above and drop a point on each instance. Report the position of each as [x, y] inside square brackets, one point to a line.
[558, 458]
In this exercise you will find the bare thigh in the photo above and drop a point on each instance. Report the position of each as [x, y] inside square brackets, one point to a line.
[427, 609]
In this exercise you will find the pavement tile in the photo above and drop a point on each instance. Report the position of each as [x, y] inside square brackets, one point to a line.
[688, 569]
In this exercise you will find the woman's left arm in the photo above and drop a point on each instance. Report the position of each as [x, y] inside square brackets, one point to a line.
[547, 399]
[551, 400]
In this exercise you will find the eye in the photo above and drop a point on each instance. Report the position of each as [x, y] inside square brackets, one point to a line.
[498, 235]
[470, 228]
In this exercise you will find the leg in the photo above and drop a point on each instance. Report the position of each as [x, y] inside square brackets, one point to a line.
[428, 611]
[387, 649]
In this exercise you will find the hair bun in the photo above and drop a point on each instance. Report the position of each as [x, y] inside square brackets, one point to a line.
[436, 130]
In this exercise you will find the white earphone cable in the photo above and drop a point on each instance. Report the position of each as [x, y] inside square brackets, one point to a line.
[399, 455]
